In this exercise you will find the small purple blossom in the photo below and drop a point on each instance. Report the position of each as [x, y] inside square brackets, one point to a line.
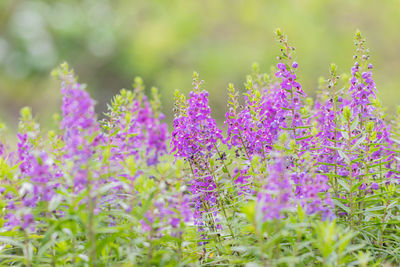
[374, 186]
[28, 220]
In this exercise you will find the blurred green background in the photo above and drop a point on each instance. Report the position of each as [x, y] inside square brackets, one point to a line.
[109, 42]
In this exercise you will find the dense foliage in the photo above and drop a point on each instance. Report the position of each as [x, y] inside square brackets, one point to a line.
[287, 181]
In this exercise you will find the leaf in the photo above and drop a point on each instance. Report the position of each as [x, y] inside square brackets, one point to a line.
[54, 202]
[375, 208]
[356, 186]
[391, 204]
[354, 124]
[9, 240]
[344, 185]
[303, 138]
[344, 156]
[359, 141]
[107, 187]
[352, 248]
[345, 135]
[249, 210]
[341, 205]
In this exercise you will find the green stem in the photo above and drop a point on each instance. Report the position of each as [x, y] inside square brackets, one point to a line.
[220, 202]
[27, 254]
[91, 226]
[351, 177]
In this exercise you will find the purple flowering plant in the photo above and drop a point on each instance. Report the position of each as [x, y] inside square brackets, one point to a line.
[285, 180]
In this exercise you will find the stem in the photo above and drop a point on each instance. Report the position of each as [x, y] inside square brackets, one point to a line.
[382, 228]
[335, 132]
[363, 193]
[73, 261]
[220, 202]
[244, 147]
[150, 253]
[351, 178]
[211, 221]
[109, 145]
[53, 256]
[261, 244]
[91, 222]
[27, 256]
[216, 185]
[223, 162]
[226, 167]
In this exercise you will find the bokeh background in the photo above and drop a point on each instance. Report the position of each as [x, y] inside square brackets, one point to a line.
[109, 42]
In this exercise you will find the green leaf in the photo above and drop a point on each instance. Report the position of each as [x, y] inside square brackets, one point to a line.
[344, 156]
[391, 205]
[341, 205]
[55, 202]
[11, 241]
[344, 184]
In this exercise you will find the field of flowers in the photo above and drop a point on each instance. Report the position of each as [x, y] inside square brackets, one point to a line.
[286, 181]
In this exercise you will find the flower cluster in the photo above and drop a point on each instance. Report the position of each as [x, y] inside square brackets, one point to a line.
[81, 129]
[68, 162]
[285, 190]
[170, 212]
[195, 134]
[254, 128]
[134, 127]
[40, 181]
[195, 138]
[277, 195]
[312, 193]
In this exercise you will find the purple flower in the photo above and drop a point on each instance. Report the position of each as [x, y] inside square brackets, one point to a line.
[24, 157]
[281, 66]
[175, 222]
[28, 220]
[374, 186]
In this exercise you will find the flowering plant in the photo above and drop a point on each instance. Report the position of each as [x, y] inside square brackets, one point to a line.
[287, 181]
